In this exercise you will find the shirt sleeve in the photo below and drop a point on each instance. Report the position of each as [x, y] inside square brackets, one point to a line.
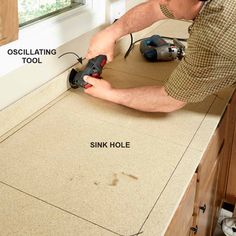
[199, 75]
[166, 12]
[210, 63]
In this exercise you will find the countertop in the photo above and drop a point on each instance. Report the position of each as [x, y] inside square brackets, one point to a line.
[52, 182]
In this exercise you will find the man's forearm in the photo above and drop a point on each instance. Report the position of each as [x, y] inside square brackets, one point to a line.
[148, 98]
[138, 18]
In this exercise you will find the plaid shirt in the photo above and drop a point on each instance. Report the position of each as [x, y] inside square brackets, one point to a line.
[210, 61]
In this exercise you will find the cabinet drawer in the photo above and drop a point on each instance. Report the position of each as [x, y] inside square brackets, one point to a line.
[184, 214]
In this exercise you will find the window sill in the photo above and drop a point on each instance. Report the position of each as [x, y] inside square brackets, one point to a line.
[54, 32]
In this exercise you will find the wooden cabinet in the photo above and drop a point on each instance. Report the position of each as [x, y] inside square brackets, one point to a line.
[8, 21]
[211, 182]
[184, 212]
[231, 187]
[198, 211]
[206, 203]
[212, 175]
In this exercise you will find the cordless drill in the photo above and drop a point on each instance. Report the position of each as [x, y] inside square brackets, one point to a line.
[93, 68]
[156, 48]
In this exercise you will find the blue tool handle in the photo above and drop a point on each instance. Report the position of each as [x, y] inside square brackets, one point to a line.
[149, 46]
[153, 41]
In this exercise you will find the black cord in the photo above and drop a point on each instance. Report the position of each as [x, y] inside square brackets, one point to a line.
[132, 44]
[79, 59]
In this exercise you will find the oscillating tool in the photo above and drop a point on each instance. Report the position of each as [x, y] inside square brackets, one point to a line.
[93, 68]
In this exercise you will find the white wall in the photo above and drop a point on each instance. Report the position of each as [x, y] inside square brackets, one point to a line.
[27, 78]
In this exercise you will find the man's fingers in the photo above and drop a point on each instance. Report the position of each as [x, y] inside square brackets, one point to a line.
[109, 58]
[90, 80]
[91, 55]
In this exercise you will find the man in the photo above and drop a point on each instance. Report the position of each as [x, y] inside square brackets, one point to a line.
[209, 64]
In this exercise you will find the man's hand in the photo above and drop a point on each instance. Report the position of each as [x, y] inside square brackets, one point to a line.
[134, 20]
[100, 88]
[102, 43]
[147, 98]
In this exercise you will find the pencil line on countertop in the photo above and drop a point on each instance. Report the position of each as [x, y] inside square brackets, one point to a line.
[32, 117]
[59, 208]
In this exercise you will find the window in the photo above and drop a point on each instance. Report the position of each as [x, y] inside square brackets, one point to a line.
[34, 10]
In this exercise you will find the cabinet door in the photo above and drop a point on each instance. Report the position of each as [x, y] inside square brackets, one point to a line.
[231, 188]
[8, 21]
[221, 185]
[209, 160]
[183, 218]
[206, 205]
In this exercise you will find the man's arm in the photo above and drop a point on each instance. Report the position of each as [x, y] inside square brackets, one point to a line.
[148, 98]
[134, 20]
[138, 18]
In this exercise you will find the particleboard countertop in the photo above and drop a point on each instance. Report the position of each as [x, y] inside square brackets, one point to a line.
[53, 183]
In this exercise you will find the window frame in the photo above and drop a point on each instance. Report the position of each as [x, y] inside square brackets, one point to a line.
[55, 31]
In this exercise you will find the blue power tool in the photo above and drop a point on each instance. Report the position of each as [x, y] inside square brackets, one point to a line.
[156, 48]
